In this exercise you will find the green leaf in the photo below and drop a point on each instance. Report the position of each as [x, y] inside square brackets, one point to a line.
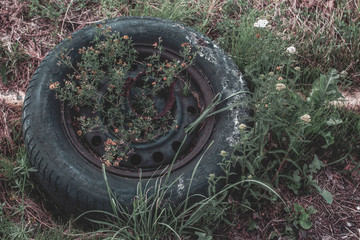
[288, 230]
[324, 193]
[203, 236]
[305, 222]
[296, 176]
[316, 165]
[325, 89]
[328, 138]
[311, 210]
[327, 196]
[298, 208]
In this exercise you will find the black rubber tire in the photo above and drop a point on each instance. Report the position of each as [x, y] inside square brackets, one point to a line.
[77, 185]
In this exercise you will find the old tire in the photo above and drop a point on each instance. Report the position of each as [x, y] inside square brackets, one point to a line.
[77, 184]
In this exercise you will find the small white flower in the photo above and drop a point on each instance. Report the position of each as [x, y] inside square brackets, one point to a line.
[291, 50]
[223, 153]
[211, 176]
[297, 69]
[261, 23]
[306, 118]
[334, 121]
[242, 126]
[280, 86]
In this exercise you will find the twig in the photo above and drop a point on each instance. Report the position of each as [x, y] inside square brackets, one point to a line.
[67, 9]
[277, 172]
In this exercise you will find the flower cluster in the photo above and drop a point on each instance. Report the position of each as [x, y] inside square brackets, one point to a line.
[306, 118]
[223, 153]
[242, 127]
[291, 50]
[54, 85]
[280, 86]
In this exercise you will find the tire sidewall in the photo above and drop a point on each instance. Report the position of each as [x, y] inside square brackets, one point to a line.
[78, 185]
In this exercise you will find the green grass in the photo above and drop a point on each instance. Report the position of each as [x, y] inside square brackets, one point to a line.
[11, 58]
[278, 146]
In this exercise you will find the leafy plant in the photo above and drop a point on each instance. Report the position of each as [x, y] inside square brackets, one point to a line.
[308, 171]
[291, 124]
[121, 104]
[301, 216]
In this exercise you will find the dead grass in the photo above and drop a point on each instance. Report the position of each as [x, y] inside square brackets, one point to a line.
[10, 121]
[35, 214]
[316, 27]
[26, 40]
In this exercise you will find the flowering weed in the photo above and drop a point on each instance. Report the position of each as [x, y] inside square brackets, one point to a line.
[123, 105]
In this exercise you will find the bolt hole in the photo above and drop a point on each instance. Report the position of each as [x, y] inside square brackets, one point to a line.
[96, 141]
[135, 159]
[191, 110]
[158, 157]
[175, 146]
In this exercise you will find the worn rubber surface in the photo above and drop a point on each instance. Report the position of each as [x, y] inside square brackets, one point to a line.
[74, 183]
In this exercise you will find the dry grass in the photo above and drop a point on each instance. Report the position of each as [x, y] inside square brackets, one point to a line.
[10, 139]
[35, 214]
[316, 27]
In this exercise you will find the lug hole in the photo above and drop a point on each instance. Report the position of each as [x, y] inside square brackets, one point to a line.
[158, 157]
[191, 110]
[176, 145]
[96, 141]
[135, 159]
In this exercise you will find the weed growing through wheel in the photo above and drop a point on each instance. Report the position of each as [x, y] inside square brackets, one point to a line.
[114, 90]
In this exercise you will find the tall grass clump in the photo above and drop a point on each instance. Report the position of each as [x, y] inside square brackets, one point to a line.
[153, 217]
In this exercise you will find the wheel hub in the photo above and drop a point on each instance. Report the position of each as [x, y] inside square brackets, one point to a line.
[150, 158]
